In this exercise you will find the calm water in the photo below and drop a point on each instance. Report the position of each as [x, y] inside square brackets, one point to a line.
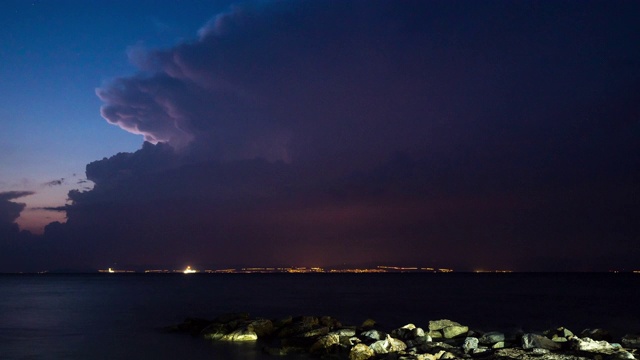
[109, 316]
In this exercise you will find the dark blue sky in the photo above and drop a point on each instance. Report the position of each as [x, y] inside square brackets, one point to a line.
[464, 134]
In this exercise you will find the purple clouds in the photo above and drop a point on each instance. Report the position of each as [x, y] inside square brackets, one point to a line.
[425, 133]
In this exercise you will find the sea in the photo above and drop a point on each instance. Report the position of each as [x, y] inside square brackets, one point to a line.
[121, 316]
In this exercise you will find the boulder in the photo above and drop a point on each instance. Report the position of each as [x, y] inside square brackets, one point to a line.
[345, 332]
[532, 341]
[285, 321]
[388, 345]
[621, 355]
[396, 344]
[369, 323]
[325, 343]
[373, 335]
[361, 352]
[470, 343]
[592, 346]
[262, 327]
[240, 335]
[380, 346]
[403, 332]
[315, 332]
[441, 324]
[492, 337]
[214, 331]
[560, 334]
[450, 332]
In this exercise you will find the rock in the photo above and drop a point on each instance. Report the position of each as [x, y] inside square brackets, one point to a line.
[631, 341]
[373, 335]
[532, 341]
[388, 345]
[325, 343]
[498, 345]
[240, 335]
[480, 352]
[369, 323]
[380, 346]
[596, 334]
[450, 332]
[262, 327]
[435, 334]
[345, 332]
[621, 355]
[403, 332]
[330, 322]
[396, 344]
[441, 324]
[539, 351]
[361, 352]
[214, 331]
[285, 321]
[491, 338]
[592, 346]
[315, 332]
[560, 335]
[447, 356]
[470, 343]
[301, 325]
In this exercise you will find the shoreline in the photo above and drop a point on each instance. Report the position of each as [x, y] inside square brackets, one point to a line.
[326, 337]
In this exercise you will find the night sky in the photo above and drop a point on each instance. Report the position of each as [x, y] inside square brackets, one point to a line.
[462, 134]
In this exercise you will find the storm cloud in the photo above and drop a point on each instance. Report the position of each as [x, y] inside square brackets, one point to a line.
[500, 135]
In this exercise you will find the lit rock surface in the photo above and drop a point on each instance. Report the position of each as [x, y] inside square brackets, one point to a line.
[327, 338]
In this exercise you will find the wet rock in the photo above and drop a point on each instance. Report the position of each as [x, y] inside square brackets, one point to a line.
[453, 331]
[470, 344]
[373, 335]
[560, 334]
[345, 332]
[361, 352]
[369, 323]
[404, 333]
[380, 346]
[241, 335]
[491, 337]
[539, 351]
[388, 345]
[215, 331]
[532, 341]
[592, 346]
[262, 327]
[325, 343]
[621, 355]
[441, 324]
[315, 332]
[285, 321]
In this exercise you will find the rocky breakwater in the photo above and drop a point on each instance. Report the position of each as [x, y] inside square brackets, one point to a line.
[326, 337]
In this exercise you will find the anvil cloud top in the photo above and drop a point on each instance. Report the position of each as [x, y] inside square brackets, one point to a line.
[448, 133]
